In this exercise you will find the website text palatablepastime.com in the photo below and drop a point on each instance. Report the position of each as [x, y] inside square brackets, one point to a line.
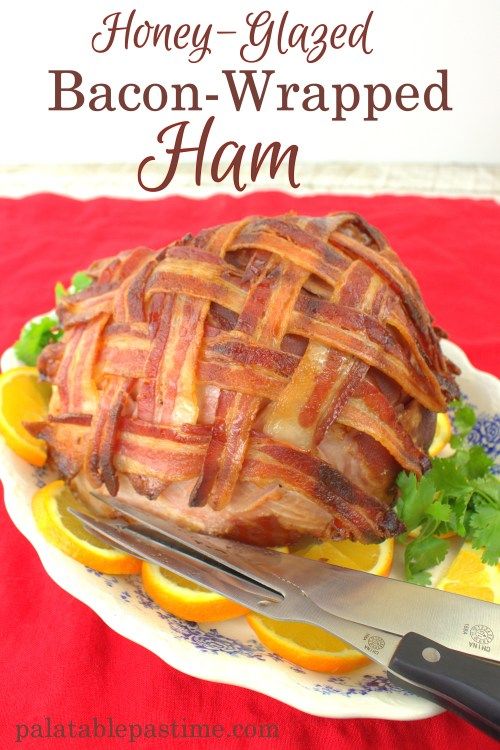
[108, 728]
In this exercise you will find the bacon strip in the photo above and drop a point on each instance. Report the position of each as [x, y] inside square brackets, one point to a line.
[407, 291]
[160, 315]
[169, 394]
[355, 514]
[350, 332]
[360, 239]
[199, 276]
[125, 352]
[350, 376]
[324, 378]
[309, 329]
[66, 441]
[233, 362]
[141, 448]
[175, 385]
[75, 382]
[361, 346]
[443, 377]
[132, 261]
[156, 451]
[129, 299]
[114, 270]
[175, 275]
[172, 397]
[101, 443]
[264, 318]
[293, 244]
[87, 305]
[159, 452]
[236, 377]
[320, 386]
[370, 412]
[237, 348]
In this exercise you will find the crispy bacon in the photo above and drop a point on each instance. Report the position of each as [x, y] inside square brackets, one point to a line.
[369, 411]
[237, 348]
[264, 379]
[263, 318]
[205, 279]
[293, 244]
[396, 364]
[50, 359]
[66, 439]
[175, 392]
[235, 377]
[99, 465]
[126, 352]
[129, 300]
[355, 514]
[87, 305]
[402, 283]
[324, 379]
[76, 388]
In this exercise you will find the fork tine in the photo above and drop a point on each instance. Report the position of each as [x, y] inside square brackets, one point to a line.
[260, 563]
[197, 569]
[293, 606]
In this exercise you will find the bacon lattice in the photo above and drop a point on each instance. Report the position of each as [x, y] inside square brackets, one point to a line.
[290, 355]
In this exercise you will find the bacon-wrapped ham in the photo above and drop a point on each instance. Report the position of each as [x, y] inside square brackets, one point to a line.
[265, 380]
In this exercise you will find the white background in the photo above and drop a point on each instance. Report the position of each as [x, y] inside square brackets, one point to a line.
[411, 40]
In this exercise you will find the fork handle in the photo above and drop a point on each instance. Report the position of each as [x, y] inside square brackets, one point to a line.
[464, 684]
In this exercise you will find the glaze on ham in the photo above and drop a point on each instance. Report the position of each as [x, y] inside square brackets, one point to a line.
[264, 380]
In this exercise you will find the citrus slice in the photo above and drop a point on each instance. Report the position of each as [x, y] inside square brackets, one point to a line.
[23, 398]
[186, 599]
[50, 508]
[442, 434]
[468, 575]
[372, 558]
[306, 645]
[310, 646]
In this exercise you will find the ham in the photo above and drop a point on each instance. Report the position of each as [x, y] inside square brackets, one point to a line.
[264, 380]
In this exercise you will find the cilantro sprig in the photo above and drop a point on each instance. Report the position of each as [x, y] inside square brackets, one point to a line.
[459, 494]
[37, 334]
[79, 282]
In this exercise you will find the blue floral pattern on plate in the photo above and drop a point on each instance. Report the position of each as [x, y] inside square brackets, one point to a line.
[125, 606]
[486, 432]
[211, 640]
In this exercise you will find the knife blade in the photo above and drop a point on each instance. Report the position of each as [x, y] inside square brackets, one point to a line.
[462, 683]
[392, 605]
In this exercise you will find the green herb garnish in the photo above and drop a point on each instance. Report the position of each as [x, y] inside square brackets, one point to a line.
[35, 336]
[79, 282]
[458, 494]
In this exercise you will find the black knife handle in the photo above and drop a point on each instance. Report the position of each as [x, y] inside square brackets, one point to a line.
[466, 685]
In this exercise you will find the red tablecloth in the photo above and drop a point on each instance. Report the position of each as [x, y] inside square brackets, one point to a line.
[58, 659]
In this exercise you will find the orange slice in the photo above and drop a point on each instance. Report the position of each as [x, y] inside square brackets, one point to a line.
[310, 646]
[50, 509]
[469, 576]
[186, 599]
[306, 645]
[442, 434]
[372, 558]
[23, 398]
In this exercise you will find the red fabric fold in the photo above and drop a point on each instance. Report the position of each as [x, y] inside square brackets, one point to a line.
[58, 658]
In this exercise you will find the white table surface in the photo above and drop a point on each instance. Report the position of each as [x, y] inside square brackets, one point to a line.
[119, 180]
